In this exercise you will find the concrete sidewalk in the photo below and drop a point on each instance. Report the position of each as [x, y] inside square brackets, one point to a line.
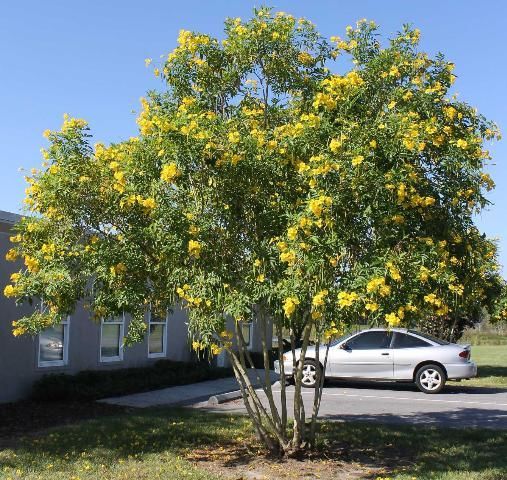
[185, 394]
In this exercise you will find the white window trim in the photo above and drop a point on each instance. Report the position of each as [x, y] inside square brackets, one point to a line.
[164, 337]
[57, 363]
[119, 357]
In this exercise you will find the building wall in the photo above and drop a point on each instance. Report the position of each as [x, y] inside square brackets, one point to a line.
[19, 366]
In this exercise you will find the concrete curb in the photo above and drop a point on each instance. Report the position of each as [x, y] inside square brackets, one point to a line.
[224, 397]
[229, 396]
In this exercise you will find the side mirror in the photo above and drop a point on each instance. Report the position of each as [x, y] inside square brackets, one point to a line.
[344, 346]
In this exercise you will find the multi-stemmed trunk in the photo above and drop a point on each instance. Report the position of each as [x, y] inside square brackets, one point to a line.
[269, 414]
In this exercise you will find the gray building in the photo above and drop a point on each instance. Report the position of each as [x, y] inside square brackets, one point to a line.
[79, 343]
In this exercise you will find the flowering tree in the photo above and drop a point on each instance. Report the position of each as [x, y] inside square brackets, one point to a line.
[263, 180]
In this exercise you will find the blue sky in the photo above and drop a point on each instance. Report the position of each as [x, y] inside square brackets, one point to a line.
[87, 59]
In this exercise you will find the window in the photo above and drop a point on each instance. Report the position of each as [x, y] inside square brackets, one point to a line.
[246, 330]
[111, 339]
[157, 336]
[370, 340]
[430, 337]
[54, 344]
[401, 340]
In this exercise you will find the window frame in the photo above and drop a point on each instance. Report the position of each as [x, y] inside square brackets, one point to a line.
[119, 357]
[66, 329]
[164, 336]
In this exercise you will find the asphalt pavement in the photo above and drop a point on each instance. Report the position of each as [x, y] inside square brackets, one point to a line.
[456, 406]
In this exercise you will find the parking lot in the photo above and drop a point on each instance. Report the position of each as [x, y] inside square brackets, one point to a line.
[457, 406]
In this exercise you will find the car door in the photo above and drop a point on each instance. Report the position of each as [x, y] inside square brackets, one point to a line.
[407, 352]
[366, 355]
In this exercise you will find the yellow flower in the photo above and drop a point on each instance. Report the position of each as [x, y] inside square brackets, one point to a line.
[372, 306]
[32, 264]
[423, 274]
[288, 257]
[394, 72]
[375, 283]
[11, 255]
[457, 289]
[317, 205]
[46, 133]
[462, 144]
[392, 319]
[169, 172]
[289, 305]
[10, 291]
[335, 145]
[257, 263]
[194, 248]
[357, 160]
[261, 277]
[15, 277]
[292, 233]
[373, 144]
[346, 299]
[118, 269]
[319, 298]
[234, 137]
[391, 105]
[148, 203]
[393, 271]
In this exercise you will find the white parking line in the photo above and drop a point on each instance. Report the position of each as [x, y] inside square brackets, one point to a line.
[406, 398]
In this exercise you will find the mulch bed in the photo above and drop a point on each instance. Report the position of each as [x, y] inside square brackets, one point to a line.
[247, 463]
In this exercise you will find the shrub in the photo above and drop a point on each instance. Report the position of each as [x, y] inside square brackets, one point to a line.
[95, 384]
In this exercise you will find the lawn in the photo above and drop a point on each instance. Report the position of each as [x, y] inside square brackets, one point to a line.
[185, 444]
[492, 366]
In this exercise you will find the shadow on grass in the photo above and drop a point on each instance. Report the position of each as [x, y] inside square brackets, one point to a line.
[420, 451]
[424, 451]
[492, 371]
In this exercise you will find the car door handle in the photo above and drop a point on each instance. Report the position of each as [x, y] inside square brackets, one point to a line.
[384, 354]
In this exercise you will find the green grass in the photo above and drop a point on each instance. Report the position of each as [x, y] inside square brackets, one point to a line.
[157, 443]
[492, 366]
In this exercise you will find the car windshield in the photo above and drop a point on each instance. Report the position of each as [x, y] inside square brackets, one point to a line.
[341, 339]
[430, 337]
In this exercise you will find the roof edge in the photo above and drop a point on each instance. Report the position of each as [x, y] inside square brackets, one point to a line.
[9, 218]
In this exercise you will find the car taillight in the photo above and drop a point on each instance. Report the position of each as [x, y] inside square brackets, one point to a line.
[465, 354]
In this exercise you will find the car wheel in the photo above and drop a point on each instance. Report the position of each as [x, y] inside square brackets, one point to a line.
[430, 379]
[310, 371]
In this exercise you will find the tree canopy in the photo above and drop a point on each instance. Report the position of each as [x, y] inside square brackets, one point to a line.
[322, 181]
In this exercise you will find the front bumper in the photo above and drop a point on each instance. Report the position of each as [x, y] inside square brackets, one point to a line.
[456, 371]
[287, 367]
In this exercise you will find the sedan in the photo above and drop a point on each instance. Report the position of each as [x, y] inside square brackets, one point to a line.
[393, 355]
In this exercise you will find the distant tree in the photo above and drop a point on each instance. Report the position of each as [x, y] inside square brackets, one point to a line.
[262, 178]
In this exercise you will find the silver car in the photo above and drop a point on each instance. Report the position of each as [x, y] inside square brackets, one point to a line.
[396, 354]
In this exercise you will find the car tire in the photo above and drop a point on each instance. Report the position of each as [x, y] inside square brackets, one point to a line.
[430, 379]
[310, 373]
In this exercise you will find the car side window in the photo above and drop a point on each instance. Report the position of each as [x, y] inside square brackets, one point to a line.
[402, 340]
[370, 340]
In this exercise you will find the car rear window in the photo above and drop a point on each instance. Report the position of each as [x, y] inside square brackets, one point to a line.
[430, 337]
